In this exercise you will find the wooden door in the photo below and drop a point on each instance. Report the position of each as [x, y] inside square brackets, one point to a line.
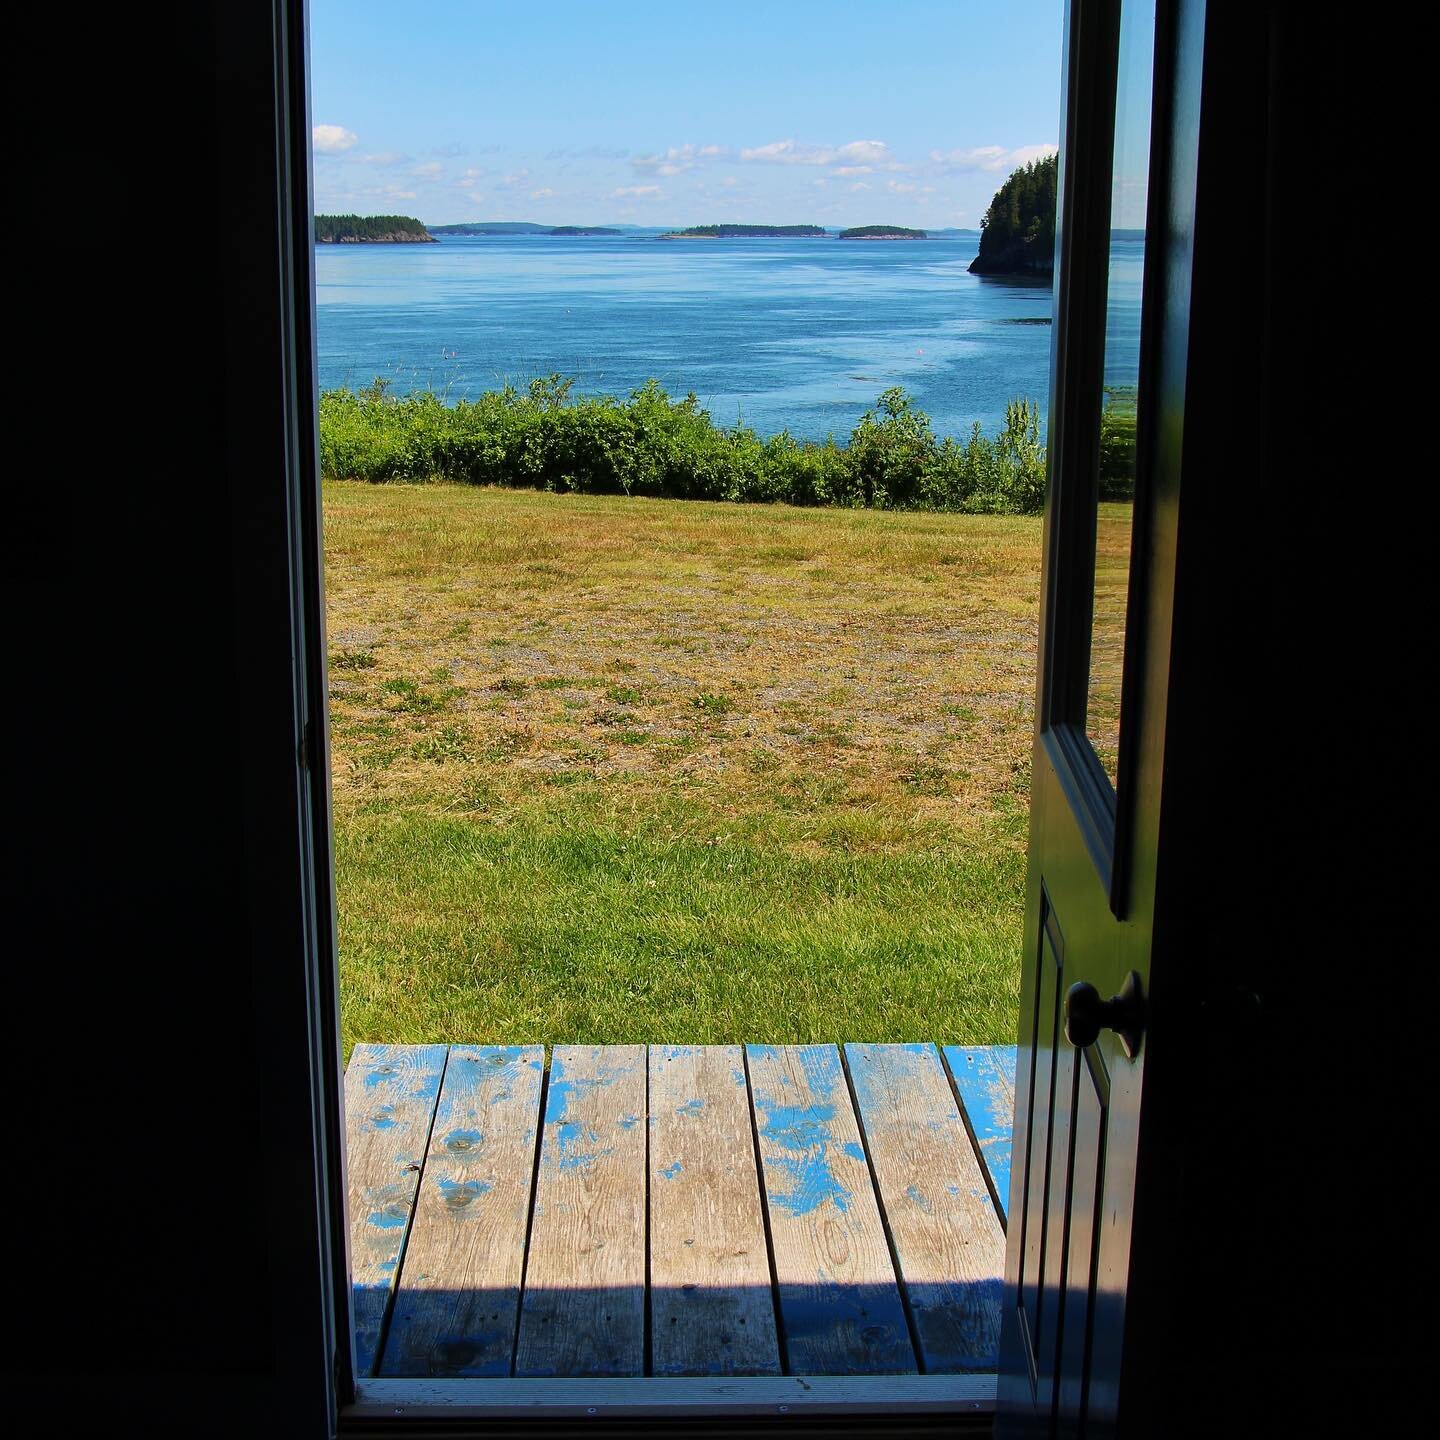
[1116, 420]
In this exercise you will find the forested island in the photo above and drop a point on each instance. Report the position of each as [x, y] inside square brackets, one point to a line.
[883, 232]
[491, 227]
[583, 230]
[746, 232]
[371, 229]
[1017, 233]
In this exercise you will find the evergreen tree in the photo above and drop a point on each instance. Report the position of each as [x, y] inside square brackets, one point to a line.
[1018, 230]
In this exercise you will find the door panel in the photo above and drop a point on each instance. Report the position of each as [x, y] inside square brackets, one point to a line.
[1035, 1161]
[1091, 1101]
[1128, 155]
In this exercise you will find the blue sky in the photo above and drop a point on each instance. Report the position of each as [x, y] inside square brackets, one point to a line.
[907, 112]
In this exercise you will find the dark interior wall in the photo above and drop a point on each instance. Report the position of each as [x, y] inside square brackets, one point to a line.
[165, 1253]
[1279, 1220]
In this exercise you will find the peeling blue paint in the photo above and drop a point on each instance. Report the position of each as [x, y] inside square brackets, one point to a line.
[805, 1130]
[379, 1075]
[738, 1076]
[387, 1219]
[629, 1122]
[461, 1142]
[582, 1158]
[980, 1072]
[854, 1151]
[821, 1065]
[457, 1194]
[557, 1102]
[795, 1126]
[814, 1184]
[690, 1107]
[916, 1197]
[671, 1170]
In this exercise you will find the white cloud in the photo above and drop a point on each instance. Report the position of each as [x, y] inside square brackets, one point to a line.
[428, 171]
[865, 152]
[868, 153]
[541, 194]
[859, 185]
[898, 187]
[333, 139]
[990, 158]
[385, 159]
[854, 170]
[729, 180]
[636, 190]
[678, 159]
[516, 181]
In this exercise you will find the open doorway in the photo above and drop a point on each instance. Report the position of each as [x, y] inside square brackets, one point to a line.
[681, 749]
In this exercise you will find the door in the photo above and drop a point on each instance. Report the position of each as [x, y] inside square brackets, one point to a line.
[1117, 414]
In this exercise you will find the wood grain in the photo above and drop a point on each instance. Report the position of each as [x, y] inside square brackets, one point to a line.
[711, 1305]
[984, 1078]
[583, 1311]
[390, 1095]
[840, 1307]
[947, 1238]
[458, 1298]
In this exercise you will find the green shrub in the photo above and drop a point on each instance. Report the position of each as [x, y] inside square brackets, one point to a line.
[650, 444]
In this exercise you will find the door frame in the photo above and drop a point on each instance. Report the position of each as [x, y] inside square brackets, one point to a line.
[1119, 827]
[353, 1405]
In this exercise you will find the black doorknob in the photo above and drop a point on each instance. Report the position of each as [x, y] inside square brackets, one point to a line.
[1086, 1014]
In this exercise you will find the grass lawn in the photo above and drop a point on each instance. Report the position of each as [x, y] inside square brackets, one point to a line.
[642, 770]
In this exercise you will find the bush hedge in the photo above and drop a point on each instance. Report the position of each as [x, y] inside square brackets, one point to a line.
[650, 444]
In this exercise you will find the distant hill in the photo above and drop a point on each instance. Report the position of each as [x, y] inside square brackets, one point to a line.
[491, 227]
[746, 232]
[1017, 235]
[522, 227]
[371, 230]
[882, 232]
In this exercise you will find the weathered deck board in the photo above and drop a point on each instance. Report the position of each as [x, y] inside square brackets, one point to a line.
[452, 1254]
[947, 1237]
[458, 1296]
[840, 1307]
[985, 1080]
[390, 1094]
[711, 1305]
[583, 1311]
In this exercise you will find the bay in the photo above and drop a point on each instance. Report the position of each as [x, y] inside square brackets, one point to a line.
[775, 334]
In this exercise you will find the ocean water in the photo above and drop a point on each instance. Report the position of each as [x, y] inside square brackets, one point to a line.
[778, 334]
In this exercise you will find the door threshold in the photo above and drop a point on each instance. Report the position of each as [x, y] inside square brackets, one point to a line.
[967, 1395]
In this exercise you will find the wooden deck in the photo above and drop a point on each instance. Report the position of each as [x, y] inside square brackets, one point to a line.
[677, 1210]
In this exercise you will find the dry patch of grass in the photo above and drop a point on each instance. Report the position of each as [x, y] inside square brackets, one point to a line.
[739, 708]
